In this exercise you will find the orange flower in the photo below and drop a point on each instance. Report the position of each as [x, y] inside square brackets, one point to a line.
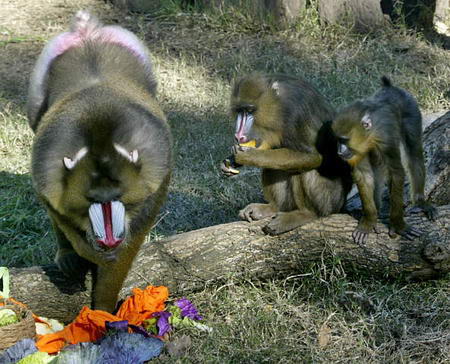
[143, 303]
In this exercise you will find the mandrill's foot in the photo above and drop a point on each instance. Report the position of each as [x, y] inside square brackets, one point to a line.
[287, 221]
[428, 209]
[407, 232]
[256, 211]
[71, 264]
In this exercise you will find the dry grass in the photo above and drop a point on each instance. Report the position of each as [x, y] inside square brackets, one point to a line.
[329, 314]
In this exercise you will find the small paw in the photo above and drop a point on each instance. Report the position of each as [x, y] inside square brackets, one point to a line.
[254, 212]
[275, 226]
[429, 210]
[360, 236]
[408, 233]
[246, 214]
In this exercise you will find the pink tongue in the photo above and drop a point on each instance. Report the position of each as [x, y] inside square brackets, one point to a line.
[109, 241]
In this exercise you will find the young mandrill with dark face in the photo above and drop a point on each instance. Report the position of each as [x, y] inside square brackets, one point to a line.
[101, 159]
[370, 135]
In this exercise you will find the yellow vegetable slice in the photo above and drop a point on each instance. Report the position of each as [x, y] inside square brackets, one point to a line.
[230, 167]
[250, 144]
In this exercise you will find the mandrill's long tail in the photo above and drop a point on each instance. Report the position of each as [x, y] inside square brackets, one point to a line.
[84, 24]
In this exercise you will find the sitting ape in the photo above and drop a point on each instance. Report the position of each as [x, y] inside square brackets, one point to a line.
[370, 133]
[101, 157]
[282, 126]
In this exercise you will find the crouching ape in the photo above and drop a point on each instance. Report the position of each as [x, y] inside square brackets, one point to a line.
[101, 159]
[283, 127]
[370, 135]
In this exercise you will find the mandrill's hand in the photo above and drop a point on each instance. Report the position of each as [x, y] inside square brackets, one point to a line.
[229, 166]
[362, 231]
[240, 148]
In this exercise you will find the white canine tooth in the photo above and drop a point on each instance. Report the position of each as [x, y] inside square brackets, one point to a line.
[97, 221]
[134, 156]
[118, 218]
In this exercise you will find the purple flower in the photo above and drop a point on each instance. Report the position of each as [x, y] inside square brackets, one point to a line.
[163, 322]
[188, 309]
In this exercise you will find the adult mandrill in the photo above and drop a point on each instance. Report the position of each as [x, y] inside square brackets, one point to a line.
[283, 125]
[101, 159]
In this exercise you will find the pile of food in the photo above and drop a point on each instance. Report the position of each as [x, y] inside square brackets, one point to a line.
[135, 334]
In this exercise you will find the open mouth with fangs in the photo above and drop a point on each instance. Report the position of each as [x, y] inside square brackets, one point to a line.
[108, 222]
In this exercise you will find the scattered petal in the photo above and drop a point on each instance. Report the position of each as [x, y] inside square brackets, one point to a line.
[163, 322]
[188, 309]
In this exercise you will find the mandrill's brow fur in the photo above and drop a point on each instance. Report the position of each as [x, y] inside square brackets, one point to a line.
[93, 88]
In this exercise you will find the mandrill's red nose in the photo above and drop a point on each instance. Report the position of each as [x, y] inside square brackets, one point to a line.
[240, 138]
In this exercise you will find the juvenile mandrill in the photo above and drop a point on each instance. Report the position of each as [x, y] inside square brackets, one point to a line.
[101, 158]
[281, 127]
[370, 134]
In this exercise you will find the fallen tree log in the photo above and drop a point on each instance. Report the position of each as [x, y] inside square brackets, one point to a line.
[189, 261]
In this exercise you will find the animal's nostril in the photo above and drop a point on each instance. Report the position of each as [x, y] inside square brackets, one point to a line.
[240, 139]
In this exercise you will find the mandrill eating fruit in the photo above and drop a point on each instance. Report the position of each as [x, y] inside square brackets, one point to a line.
[101, 160]
[230, 167]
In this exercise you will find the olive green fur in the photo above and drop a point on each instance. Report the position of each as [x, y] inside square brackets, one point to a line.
[97, 95]
[293, 118]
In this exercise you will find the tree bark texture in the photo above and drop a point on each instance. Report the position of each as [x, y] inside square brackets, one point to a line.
[189, 261]
[283, 12]
[366, 15]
